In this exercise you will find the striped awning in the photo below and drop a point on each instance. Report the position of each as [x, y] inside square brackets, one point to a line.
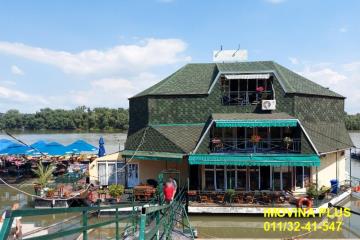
[256, 123]
[275, 160]
[247, 76]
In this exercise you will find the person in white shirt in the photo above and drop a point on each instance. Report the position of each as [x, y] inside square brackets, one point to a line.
[15, 232]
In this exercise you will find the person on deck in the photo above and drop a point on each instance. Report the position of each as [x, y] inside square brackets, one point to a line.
[169, 192]
[174, 184]
[15, 232]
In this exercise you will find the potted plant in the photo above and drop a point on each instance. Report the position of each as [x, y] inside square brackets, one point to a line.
[287, 141]
[116, 190]
[255, 139]
[312, 192]
[230, 194]
[260, 89]
[102, 194]
[44, 174]
[50, 193]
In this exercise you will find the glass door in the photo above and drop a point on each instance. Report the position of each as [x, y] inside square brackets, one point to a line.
[102, 174]
[230, 177]
[254, 178]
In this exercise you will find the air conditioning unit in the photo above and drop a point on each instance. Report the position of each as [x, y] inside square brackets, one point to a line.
[268, 104]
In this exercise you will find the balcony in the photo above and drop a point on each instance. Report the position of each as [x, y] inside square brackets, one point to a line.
[232, 145]
[244, 98]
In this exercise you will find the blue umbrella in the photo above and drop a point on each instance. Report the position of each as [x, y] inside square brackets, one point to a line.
[15, 149]
[38, 144]
[4, 143]
[101, 147]
[81, 146]
[52, 148]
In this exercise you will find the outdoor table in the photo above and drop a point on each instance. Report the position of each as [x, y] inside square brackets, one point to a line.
[144, 192]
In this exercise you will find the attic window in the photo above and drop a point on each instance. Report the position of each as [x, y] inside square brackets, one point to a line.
[246, 89]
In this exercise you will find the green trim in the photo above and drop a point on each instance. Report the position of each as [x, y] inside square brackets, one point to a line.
[176, 124]
[255, 159]
[145, 155]
[257, 123]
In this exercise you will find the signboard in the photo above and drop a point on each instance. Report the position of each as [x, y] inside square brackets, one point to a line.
[230, 55]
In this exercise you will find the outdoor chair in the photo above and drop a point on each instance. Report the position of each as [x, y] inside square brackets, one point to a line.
[249, 198]
[220, 198]
[239, 198]
[204, 199]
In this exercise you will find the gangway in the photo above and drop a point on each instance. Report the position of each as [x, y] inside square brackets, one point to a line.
[150, 220]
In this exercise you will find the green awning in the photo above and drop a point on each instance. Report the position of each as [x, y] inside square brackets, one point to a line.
[146, 155]
[257, 123]
[275, 160]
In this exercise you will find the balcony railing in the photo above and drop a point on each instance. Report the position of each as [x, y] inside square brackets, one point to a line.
[245, 97]
[230, 145]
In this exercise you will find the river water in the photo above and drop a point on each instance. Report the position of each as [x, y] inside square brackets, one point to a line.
[208, 226]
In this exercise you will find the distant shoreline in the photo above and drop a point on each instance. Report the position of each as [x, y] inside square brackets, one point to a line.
[63, 131]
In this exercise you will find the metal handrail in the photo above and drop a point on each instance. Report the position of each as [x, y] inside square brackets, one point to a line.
[263, 146]
[243, 97]
[165, 216]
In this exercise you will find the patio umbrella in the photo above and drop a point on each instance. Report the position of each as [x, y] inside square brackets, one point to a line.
[81, 146]
[15, 149]
[52, 148]
[4, 143]
[37, 144]
[101, 147]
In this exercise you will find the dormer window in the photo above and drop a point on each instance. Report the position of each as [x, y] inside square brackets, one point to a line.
[246, 89]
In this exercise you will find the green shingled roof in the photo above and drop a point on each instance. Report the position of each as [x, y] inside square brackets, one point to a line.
[190, 79]
[328, 137]
[197, 79]
[166, 138]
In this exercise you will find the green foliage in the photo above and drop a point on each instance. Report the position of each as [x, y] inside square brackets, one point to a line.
[80, 118]
[44, 174]
[352, 122]
[230, 194]
[116, 190]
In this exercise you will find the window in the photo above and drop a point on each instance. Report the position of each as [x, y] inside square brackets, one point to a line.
[241, 178]
[111, 173]
[246, 89]
[302, 177]
[230, 177]
[254, 178]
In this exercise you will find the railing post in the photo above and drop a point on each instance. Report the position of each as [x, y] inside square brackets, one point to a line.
[117, 235]
[6, 226]
[84, 220]
[142, 226]
[157, 218]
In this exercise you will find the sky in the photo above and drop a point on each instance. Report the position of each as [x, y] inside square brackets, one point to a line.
[63, 54]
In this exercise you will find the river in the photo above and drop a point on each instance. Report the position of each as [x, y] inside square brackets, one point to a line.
[208, 226]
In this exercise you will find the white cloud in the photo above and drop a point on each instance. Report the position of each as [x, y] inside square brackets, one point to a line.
[343, 79]
[343, 29]
[294, 60]
[16, 70]
[147, 54]
[112, 92]
[16, 96]
[108, 77]
[275, 1]
[324, 76]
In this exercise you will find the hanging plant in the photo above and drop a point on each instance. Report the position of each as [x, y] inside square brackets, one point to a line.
[255, 139]
[216, 140]
[260, 89]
